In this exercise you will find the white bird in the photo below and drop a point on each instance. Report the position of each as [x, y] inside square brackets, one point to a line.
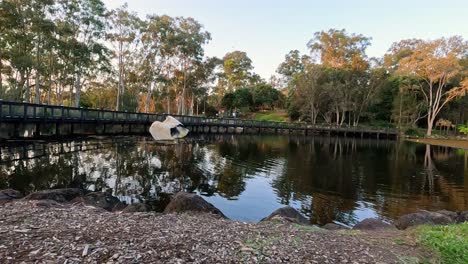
[170, 129]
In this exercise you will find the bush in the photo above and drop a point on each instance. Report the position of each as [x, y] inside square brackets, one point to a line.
[463, 129]
[413, 132]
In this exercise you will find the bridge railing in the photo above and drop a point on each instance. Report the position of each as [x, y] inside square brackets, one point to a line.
[21, 111]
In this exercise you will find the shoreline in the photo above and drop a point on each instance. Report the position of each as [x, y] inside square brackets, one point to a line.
[63, 225]
[74, 233]
[452, 143]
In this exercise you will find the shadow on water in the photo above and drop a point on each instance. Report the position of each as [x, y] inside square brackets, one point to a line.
[329, 179]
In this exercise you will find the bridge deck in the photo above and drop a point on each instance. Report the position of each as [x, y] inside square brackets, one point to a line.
[18, 112]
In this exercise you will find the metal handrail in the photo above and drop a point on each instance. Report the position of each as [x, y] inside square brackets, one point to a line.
[10, 110]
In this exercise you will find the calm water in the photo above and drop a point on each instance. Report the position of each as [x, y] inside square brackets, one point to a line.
[247, 177]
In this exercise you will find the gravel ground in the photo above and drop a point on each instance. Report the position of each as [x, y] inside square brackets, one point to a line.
[47, 232]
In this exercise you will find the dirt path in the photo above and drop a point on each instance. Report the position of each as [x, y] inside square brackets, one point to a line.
[77, 234]
[443, 142]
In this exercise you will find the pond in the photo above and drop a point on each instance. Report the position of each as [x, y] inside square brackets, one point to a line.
[328, 179]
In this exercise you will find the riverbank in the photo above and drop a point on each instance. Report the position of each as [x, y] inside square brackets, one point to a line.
[453, 143]
[34, 231]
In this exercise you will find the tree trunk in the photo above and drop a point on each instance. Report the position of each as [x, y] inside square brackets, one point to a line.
[168, 102]
[1, 80]
[37, 95]
[120, 84]
[50, 89]
[343, 117]
[191, 106]
[27, 89]
[430, 123]
[78, 90]
[148, 97]
[337, 112]
[37, 92]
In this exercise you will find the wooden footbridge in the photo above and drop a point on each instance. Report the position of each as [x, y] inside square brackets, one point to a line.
[22, 120]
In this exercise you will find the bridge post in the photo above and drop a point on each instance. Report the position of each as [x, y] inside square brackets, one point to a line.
[1, 110]
[25, 111]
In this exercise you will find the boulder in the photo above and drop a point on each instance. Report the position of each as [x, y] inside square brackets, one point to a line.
[372, 224]
[58, 195]
[189, 202]
[288, 214]
[423, 218]
[333, 226]
[46, 203]
[136, 207]
[102, 200]
[462, 217]
[9, 194]
[451, 214]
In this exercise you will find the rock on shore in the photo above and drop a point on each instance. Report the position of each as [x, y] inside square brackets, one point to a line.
[189, 202]
[58, 195]
[287, 214]
[426, 218]
[8, 195]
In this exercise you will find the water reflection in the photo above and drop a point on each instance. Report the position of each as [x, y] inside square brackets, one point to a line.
[328, 179]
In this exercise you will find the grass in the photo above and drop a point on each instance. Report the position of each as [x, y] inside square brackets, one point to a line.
[271, 116]
[308, 228]
[450, 242]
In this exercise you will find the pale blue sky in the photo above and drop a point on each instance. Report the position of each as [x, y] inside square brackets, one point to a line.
[267, 30]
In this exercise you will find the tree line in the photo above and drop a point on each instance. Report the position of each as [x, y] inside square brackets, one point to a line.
[79, 53]
[417, 82]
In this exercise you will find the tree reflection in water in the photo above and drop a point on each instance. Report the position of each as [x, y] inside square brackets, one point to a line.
[326, 178]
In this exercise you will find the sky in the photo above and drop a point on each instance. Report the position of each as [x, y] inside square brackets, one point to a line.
[268, 30]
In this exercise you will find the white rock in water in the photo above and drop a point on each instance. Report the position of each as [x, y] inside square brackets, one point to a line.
[170, 129]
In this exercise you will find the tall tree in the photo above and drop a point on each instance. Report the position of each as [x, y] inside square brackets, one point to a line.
[190, 39]
[436, 64]
[345, 54]
[87, 21]
[237, 70]
[123, 33]
[308, 89]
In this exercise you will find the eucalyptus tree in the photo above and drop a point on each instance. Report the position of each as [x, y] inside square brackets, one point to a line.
[43, 29]
[345, 54]
[17, 18]
[293, 64]
[8, 21]
[158, 47]
[237, 68]
[190, 38]
[201, 81]
[84, 53]
[436, 64]
[123, 33]
[309, 87]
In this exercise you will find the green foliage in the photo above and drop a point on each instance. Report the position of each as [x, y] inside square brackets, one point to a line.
[265, 96]
[270, 116]
[463, 128]
[243, 98]
[237, 69]
[450, 241]
[228, 101]
[414, 132]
